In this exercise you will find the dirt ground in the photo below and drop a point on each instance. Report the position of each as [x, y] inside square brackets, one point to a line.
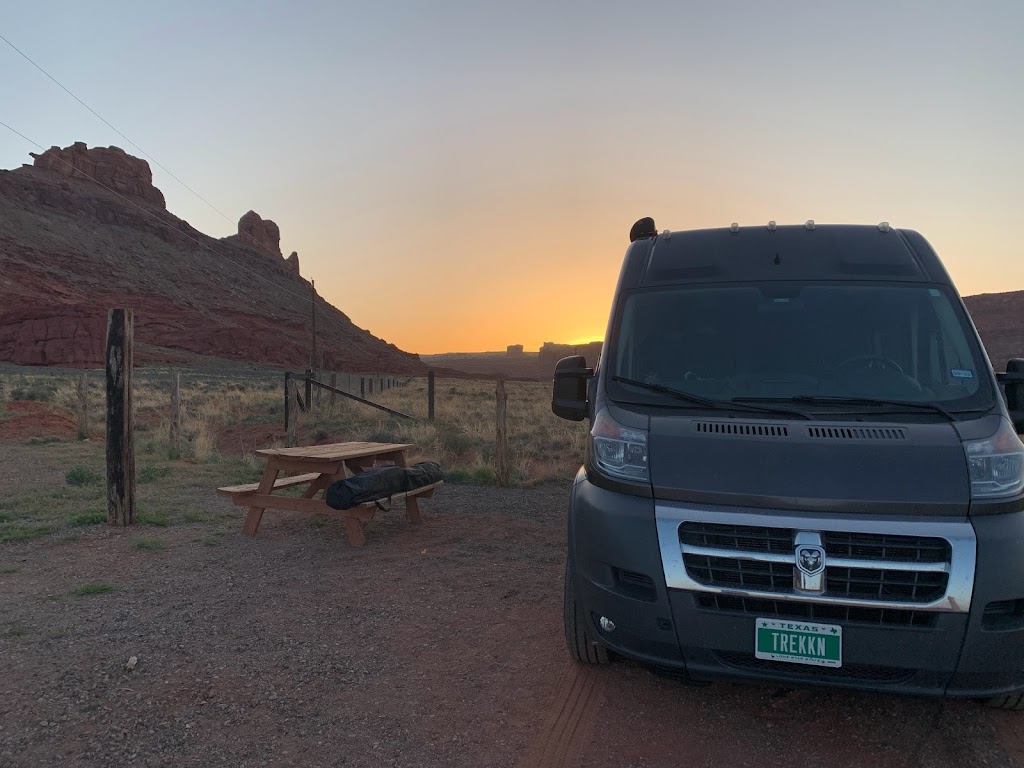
[437, 645]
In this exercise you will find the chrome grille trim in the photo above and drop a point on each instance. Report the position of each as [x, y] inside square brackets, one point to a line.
[833, 562]
[960, 568]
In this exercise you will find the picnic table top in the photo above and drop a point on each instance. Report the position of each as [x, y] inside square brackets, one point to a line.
[333, 451]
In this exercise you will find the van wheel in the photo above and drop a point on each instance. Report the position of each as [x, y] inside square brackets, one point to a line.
[1013, 701]
[582, 647]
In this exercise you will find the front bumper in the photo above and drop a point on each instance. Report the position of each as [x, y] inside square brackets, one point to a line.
[616, 560]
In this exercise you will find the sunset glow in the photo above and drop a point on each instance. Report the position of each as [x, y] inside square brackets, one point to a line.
[462, 177]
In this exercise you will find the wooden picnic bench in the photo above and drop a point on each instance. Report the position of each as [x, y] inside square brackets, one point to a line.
[319, 466]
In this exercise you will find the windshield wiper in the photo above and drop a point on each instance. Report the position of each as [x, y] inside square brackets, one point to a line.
[708, 402]
[828, 400]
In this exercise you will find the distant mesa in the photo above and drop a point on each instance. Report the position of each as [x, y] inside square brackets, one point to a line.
[550, 353]
[112, 167]
[514, 350]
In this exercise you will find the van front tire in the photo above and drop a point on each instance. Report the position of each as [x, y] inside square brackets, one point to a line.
[583, 647]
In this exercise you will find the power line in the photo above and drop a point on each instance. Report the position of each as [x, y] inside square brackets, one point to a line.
[201, 244]
[115, 130]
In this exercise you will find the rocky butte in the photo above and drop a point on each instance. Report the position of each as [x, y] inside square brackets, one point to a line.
[84, 230]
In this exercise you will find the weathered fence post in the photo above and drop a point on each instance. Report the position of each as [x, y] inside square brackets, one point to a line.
[430, 395]
[175, 430]
[83, 407]
[371, 386]
[308, 399]
[362, 387]
[292, 415]
[120, 449]
[287, 398]
[501, 467]
[334, 383]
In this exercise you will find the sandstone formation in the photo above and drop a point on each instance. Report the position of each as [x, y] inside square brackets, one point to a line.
[260, 233]
[514, 349]
[293, 261]
[70, 250]
[110, 166]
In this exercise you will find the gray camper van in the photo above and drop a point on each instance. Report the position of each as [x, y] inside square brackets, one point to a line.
[801, 469]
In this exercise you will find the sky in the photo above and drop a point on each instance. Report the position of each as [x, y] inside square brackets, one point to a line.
[461, 176]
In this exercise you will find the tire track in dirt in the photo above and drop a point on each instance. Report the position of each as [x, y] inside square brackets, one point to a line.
[566, 730]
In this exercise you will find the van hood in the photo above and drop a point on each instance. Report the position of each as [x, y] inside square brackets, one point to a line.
[829, 467]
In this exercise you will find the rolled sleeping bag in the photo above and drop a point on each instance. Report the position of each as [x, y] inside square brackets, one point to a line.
[380, 482]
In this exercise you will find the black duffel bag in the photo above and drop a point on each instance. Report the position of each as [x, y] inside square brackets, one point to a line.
[380, 482]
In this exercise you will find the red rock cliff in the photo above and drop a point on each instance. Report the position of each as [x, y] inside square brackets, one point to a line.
[110, 166]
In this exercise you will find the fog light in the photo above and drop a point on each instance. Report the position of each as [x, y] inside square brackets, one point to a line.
[606, 624]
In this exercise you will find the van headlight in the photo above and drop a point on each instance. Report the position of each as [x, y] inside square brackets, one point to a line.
[996, 464]
[617, 450]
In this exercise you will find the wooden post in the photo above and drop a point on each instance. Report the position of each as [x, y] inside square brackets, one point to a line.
[292, 414]
[287, 399]
[175, 433]
[334, 383]
[501, 436]
[307, 401]
[371, 386]
[83, 407]
[312, 312]
[430, 395]
[362, 387]
[120, 450]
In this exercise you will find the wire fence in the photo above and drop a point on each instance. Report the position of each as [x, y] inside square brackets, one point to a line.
[231, 412]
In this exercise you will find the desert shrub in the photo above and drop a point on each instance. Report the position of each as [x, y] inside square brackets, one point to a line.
[93, 517]
[81, 476]
[151, 473]
[456, 443]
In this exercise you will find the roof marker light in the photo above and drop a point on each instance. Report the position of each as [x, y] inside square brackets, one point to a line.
[667, 234]
[809, 224]
[884, 227]
[771, 226]
[734, 227]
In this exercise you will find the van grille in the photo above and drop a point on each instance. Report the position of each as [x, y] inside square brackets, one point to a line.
[761, 559]
[823, 612]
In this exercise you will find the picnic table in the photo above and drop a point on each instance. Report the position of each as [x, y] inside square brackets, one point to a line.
[319, 466]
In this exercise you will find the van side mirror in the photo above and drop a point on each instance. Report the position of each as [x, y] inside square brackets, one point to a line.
[1013, 384]
[569, 391]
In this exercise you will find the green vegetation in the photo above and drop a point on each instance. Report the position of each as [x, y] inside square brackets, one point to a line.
[79, 476]
[481, 475]
[157, 519]
[10, 532]
[150, 545]
[151, 473]
[92, 589]
[92, 517]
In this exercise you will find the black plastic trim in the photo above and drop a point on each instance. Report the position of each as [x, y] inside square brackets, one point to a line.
[617, 486]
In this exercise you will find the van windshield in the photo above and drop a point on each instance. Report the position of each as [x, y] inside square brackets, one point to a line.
[909, 343]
